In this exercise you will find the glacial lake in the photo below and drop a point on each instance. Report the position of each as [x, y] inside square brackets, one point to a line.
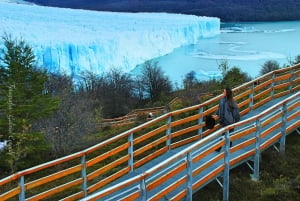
[247, 45]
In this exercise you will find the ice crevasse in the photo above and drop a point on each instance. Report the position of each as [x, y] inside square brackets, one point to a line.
[72, 41]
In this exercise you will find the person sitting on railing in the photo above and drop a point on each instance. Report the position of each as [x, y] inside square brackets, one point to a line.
[228, 111]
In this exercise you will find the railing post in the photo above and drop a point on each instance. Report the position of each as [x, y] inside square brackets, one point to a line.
[143, 189]
[200, 121]
[130, 151]
[255, 175]
[272, 85]
[283, 129]
[83, 175]
[189, 196]
[291, 80]
[226, 168]
[168, 133]
[251, 96]
[22, 186]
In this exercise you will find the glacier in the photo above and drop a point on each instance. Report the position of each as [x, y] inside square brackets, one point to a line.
[72, 41]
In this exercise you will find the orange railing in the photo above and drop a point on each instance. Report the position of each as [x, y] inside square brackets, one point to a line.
[199, 163]
[83, 173]
[132, 116]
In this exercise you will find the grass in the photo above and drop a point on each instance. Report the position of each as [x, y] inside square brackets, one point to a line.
[279, 178]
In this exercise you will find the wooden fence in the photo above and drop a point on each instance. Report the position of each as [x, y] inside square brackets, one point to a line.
[83, 173]
[198, 164]
[132, 116]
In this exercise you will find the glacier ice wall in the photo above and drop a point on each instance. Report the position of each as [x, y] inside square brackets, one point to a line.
[71, 41]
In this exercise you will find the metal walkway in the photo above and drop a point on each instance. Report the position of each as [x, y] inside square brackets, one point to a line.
[211, 164]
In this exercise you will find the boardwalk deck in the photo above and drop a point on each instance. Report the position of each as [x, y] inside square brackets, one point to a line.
[181, 160]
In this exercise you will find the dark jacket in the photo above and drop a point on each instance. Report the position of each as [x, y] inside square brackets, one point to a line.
[228, 115]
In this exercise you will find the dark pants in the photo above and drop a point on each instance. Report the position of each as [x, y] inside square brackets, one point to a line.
[230, 131]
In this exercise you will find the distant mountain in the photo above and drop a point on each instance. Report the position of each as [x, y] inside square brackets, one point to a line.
[17, 1]
[227, 10]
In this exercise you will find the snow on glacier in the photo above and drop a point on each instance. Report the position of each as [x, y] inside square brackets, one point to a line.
[72, 41]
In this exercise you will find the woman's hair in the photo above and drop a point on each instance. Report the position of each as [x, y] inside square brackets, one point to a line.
[229, 96]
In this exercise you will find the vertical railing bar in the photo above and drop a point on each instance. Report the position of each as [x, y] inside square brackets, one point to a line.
[291, 80]
[22, 186]
[200, 121]
[189, 177]
[272, 85]
[83, 175]
[251, 97]
[226, 168]
[143, 189]
[255, 175]
[168, 133]
[283, 129]
[130, 152]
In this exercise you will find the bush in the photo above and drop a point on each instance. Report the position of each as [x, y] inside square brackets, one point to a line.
[269, 66]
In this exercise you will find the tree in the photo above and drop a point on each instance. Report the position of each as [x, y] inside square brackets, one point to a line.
[154, 81]
[190, 80]
[269, 66]
[139, 89]
[297, 60]
[232, 76]
[23, 98]
[24, 85]
[235, 77]
[192, 87]
[75, 117]
[224, 67]
[118, 93]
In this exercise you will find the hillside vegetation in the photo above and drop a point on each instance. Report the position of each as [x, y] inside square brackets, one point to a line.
[229, 10]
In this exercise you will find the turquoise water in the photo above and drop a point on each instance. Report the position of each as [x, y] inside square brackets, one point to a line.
[246, 45]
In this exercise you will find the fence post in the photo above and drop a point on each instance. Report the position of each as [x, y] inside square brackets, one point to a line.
[189, 196]
[83, 175]
[200, 121]
[255, 175]
[291, 80]
[130, 151]
[251, 97]
[168, 133]
[143, 189]
[283, 129]
[272, 85]
[22, 186]
[226, 168]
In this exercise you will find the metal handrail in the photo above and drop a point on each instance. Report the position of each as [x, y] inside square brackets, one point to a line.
[212, 139]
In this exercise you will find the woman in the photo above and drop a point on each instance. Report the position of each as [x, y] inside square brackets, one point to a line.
[228, 111]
